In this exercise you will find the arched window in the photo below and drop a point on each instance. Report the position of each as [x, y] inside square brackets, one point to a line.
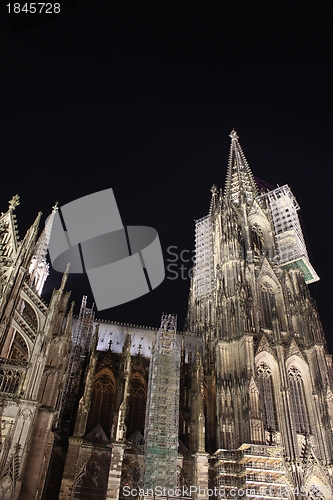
[10, 380]
[131, 476]
[6, 488]
[254, 406]
[102, 400]
[241, 243]
[298, 400]
[266, 388]
[29, 315]
[315, 493]
[19, 349]
[136, 406]
[268, 305]
[258, 241]
[91, 484]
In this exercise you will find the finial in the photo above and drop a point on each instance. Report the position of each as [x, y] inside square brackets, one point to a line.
[14, 202]
[233, 135]
[55, 207]
[64, 278]
[214, 189]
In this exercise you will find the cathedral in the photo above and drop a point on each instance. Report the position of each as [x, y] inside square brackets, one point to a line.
[238, 405]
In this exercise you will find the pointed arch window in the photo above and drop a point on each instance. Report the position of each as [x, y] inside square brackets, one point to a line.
[6, 487]
[254, 396]
[268, 305]
[91, 484]
[315, 493]
[102, 401]
[298, 400]
[10, 380]
[19, 348]
[137, 406]
[258, 240]
[266, 388]
[241, 243]
[29, 315]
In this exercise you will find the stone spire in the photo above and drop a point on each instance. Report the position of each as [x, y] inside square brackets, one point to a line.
[240, 183]
[8, 233]
[39, 268]
[214, 200]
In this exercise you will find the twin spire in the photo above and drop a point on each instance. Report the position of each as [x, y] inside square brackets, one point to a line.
[39, 267]
[240, 184]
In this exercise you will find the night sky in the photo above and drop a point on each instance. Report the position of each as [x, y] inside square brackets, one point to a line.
[143, 98]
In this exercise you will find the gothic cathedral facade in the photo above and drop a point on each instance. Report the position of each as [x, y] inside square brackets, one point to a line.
[239, 405]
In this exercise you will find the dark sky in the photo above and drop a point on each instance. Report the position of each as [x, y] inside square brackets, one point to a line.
[142, 99]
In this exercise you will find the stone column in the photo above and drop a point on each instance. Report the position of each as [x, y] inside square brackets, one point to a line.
[116, 464]
[201, 475]
[70, 470]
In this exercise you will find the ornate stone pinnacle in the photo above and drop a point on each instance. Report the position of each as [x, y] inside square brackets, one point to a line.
[14, 202]
[233, 135]
[214, 189]
[55, 207]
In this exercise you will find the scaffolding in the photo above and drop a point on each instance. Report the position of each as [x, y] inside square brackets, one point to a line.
[256, 471]
[81, 342]
[289, 237]
[162, 413]
[204, 261]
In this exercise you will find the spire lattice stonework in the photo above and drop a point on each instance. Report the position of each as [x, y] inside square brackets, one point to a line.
[240, 183]
[39, 267]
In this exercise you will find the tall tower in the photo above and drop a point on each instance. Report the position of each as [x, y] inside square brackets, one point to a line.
[161, 430]
[34, 342]
[267, 373]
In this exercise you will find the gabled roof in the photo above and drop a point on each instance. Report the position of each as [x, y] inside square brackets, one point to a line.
[97, 434]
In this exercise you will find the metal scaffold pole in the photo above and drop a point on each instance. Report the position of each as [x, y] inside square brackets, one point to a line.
[290, 242]
[161, 430]
[204, 263]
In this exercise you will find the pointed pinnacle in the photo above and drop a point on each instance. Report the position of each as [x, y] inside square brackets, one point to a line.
[64, 278]
[14, 202]
[55, 207]
[233, 135]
